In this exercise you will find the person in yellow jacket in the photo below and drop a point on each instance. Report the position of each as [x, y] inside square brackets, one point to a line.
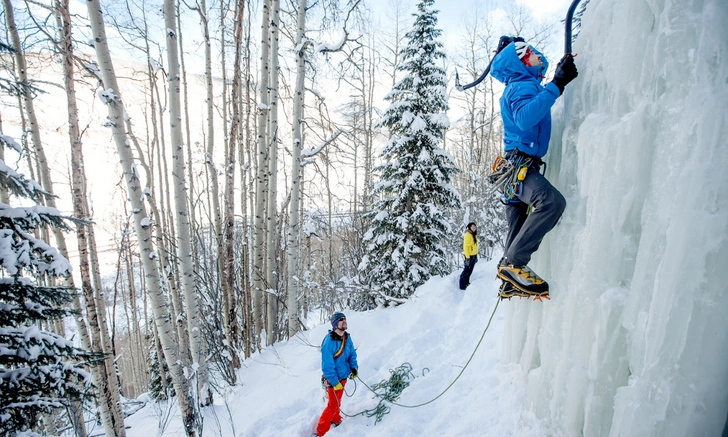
[470, 249]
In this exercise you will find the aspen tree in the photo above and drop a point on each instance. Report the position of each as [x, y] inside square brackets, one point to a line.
[246, 178]
[112, 98]
[213, 184]
[158, 215]
[188, 141]
[294, 225]
[3, 190]
[263, 110]
[165, 263]
[184, 246]
[272, 240]
[229, 300]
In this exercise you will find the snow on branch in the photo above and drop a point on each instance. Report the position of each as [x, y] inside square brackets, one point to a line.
[32, 216]
[16, 182]
[388, 298]
[22, 300]
[330, 48]
[108, 96]
[10, 142]
[92, 69]
[20, 249]
[311, 152]
[50, 260]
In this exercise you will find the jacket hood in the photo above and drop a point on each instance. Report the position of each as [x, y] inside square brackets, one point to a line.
[337, 337]
[507, 66]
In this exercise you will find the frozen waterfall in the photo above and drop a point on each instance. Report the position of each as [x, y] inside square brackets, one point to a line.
[634, 341]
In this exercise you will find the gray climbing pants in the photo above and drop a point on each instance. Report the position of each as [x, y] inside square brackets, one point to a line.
[526, 231]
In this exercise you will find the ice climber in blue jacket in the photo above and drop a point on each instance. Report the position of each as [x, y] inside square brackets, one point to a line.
[338, 361]
[526, 111]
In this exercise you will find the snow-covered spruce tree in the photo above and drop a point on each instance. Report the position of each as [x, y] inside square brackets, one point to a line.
[408, 224]
[40, 371]
[160, 382]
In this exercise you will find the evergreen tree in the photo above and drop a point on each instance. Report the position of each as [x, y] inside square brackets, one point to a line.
[159, 389]
[40, 371]
[408, 224]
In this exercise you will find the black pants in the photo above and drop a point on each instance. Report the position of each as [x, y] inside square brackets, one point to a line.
[526, 231]
[467, 271]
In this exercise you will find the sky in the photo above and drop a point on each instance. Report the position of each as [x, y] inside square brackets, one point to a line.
[453, 14]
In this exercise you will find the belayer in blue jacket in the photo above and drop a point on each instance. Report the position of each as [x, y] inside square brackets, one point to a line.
[526, 112]
[338, 361]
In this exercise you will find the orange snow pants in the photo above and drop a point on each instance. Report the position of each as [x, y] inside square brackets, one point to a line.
[331, 412]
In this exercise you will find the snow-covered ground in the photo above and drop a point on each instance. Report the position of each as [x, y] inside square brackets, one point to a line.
[279, 391]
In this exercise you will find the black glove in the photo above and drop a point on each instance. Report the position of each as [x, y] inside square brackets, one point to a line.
[354, 373]
[565, 72]
[505, 40]
[467, 262]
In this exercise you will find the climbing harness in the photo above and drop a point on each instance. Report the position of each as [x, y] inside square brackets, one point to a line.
[567, 48]
[501, 171]
[520, 164]
[390, 390]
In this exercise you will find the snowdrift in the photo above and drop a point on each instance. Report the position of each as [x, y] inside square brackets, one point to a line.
[280, 394]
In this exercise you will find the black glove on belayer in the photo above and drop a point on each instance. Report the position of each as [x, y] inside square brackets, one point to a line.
[565, 72]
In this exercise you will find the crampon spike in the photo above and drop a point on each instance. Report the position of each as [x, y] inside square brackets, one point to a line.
[541, 298]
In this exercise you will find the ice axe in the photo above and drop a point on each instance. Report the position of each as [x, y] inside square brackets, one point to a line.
[501, 46]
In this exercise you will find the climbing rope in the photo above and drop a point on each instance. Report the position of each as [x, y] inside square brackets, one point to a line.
[390, 390]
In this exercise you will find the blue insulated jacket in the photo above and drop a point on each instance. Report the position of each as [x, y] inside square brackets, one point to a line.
[340, 368]
[525, 103]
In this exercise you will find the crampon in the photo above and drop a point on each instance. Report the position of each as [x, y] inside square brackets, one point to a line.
[507, 291]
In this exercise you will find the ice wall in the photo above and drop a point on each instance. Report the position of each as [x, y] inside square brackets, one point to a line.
[634, 341]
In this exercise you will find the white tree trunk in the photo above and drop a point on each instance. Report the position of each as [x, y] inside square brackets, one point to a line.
[229, 297]
[184, 245]
[65, 47]
[190, 170]
[263, 110]
[294, 225]
[185, 393]
[246, 178]
[210, 149]
[3, 190]
[160, 218]
[272, 241]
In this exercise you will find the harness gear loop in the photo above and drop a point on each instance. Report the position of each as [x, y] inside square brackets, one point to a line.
[513, 186]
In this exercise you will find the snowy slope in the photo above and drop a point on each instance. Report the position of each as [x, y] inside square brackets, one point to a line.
[279, 393]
